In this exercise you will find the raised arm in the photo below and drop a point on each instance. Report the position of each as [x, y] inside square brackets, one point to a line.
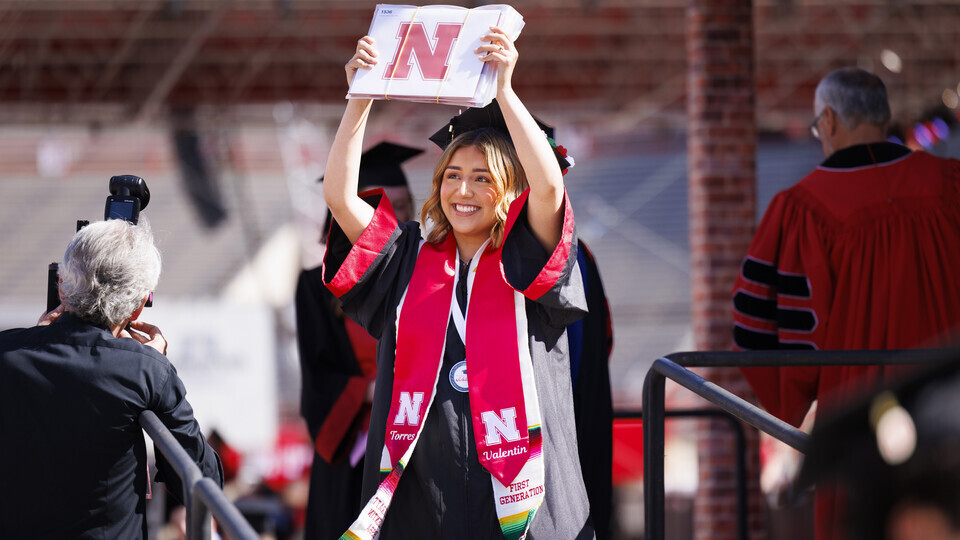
[545, 204]
[343, 164]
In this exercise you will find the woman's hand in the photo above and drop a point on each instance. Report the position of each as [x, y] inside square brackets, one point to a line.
[499, 48]
[146, 334]
[364, 58]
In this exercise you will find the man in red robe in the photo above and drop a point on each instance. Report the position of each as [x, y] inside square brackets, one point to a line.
[862, 253]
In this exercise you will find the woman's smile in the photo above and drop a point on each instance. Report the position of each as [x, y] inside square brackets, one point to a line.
[465, 209]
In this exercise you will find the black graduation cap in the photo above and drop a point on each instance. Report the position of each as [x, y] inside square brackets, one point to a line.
[902, 442]
[491, 117]
[380, 165]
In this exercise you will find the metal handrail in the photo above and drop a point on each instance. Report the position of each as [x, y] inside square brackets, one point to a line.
[741, 451]
[201, 496]
[671, 366]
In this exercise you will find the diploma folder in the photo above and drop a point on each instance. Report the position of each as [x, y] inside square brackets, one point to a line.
[425, 54]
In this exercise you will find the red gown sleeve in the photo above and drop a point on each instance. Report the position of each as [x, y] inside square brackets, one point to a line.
[779, 298]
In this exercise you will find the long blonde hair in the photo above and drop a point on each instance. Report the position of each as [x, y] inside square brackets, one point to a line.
[506, 174]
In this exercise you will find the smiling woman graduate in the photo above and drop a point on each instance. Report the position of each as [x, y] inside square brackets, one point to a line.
[473, 414]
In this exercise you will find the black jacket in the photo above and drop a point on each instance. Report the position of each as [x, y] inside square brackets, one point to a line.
[73, 460]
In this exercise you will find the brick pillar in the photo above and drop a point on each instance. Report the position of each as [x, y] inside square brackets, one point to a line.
[722, 196]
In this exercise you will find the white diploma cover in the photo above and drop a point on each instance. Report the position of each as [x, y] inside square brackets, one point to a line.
[425, 54]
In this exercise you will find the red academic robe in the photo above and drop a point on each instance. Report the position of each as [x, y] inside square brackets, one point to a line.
[862, 253]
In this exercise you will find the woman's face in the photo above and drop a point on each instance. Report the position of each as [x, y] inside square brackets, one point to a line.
[468, 198]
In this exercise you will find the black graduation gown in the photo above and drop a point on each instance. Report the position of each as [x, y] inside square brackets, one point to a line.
[333, 386]
[591, 341]
[444, 492]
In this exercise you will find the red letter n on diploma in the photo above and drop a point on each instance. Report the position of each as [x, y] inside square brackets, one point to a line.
[431, 53]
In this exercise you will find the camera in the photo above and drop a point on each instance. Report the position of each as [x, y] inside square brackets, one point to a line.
[129, 195]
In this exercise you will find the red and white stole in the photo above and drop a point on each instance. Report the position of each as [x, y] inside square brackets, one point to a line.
[503, 398]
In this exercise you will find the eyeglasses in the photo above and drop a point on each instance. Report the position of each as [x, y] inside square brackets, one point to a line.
[814, 130]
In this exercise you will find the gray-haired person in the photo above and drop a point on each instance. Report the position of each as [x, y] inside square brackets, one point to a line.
[73, 462]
